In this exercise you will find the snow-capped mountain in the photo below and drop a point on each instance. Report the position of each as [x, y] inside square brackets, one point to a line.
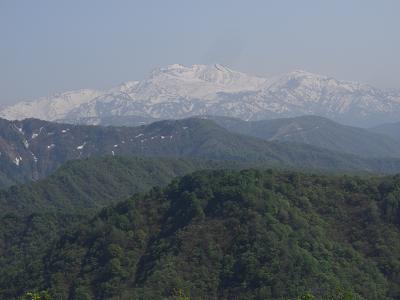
[177, 91]
[50, 108]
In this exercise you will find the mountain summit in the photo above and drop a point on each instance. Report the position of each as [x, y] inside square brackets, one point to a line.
[178, 91]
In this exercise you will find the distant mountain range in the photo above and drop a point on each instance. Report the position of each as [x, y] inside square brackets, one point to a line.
[178, 91]
[320, 132]
[389, 129]
[33, 149]
[380, 141]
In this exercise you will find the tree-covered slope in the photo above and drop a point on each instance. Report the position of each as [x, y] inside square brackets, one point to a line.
[89, 184]
[235, 235]
[24, 239]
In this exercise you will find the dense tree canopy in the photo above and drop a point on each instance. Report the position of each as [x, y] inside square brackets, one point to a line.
[232, 235]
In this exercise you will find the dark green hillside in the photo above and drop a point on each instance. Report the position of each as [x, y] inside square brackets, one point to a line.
[235, 235]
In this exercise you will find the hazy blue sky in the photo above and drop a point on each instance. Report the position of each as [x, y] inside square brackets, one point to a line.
[50, 46]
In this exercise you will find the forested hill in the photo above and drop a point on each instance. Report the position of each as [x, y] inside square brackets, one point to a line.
[234, 235]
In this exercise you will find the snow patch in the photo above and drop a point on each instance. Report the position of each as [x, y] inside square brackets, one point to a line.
[80, 147]
[26, 144]
[35, 135]
[17, 160]
[19, 129]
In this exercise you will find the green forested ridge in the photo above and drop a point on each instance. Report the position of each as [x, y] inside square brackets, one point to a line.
[89, 184]
[232, 235]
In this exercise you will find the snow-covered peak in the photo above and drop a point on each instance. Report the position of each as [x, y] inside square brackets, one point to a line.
[178, 91]
[124, 87]
[215, 74]
[303, 73]
[301, 76]
[301, 79]
[50, 108]
[197, 81]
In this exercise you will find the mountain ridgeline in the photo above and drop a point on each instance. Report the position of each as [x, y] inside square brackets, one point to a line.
[381, 141]
[178, 91]
[32, 149]
[230, 235]
[317, 131]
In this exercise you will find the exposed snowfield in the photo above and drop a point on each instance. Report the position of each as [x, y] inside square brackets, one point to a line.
[178, 91]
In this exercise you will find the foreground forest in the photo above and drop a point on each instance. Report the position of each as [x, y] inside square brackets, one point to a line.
[224, 234]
